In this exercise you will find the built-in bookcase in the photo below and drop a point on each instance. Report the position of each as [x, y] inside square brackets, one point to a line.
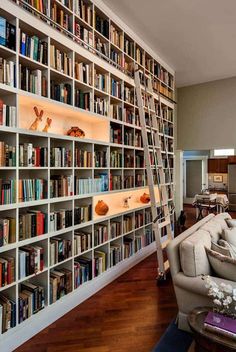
[50, 182]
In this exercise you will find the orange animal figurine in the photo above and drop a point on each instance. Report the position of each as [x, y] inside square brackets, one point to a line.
[39, 117]
[47, 125]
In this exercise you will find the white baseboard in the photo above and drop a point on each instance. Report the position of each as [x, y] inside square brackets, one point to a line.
[23, 332]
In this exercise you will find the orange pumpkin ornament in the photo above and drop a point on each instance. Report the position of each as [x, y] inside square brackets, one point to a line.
[101, 208]
[145, 198]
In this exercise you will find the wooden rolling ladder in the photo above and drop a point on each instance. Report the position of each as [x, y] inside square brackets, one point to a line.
[153, 128]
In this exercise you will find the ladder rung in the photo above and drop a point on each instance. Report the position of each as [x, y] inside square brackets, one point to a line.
[164, 244]
[164, 223]
[166, 265]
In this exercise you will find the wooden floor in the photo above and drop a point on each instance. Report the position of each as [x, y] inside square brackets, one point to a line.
[129, 315]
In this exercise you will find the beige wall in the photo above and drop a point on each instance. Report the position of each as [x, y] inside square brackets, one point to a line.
[207, 115]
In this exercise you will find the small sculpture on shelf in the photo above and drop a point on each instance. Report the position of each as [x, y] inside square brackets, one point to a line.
[126, 202]
[47, 125]
[39, 118]
[76, 132]
[101, 208]
[145, 198]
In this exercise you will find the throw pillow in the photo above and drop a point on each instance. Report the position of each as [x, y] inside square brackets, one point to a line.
[230, 236]
[223, 266]
[231, 222]
[227, 245]
[224, 250]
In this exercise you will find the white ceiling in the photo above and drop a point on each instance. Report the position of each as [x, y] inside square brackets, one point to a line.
[196, 37]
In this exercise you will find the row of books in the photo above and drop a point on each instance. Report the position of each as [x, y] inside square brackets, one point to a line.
[31, 300]
[7, 231]
[7, 34]
[100, 262]
[127, 223]
[101, 46]
[82, 99]
[61, 186]
[100, 106]
[139, 56]
[138, 220]
[116, 37]
[61, 157]
[102, 25]
[84, 34]
[41, 5]
[129, 181]
[82, 242]
[60, 61]
[138, 140]
[60, 219]
[7, 115]
[116, 57]
[83, 72]
[100, 158]
[32, 224]
[139, 161]
[116, 88]
[89, 185]
[7, 154]
[139, 180]
[115, 134]
[61, 92]
[129, 95]
[82, 214]
[34, 48]
[83, 158]
[32, 156]
[129, 47]
[32, 189]
[116, 158]
[129, 160]
[67, 3]
[31, 260]
[60, 250]
[115, 254]
[7, 72]
[7, 313]
[128, 247]
[116, 112]
[115, 229]
[142, 241]
[115, 182]
[83, 271]
[84, 11]
[60, 284]
[8, 191]
[7, 270]
[32, 81]
[60, 16]
[100, 234]
[128, 137]
[101, 81]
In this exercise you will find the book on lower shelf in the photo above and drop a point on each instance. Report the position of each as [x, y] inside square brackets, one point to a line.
[7, 231]
[60, 250]
[31, 300]
[99, 262]
[115, 182]
[32, 189]
[7, 313]
[61, 157]
[7, 270]
[84, 34]
[7, 154]
[7, 72]
[60, 219]
[83, 270]
[82, 213]
[32, 224]
[33, 81]
[84, 11]
[7, 115]
[100, 234]
[115, 254]
[83, 72]
[82, 242]
[100, 106]
[31, 260]
[30, 156]
[60, 16]
[7, 34]
[220, 324]
[115, 229]
[83, 158]
[33, 47]
[128, 247]
[61, 186]
[8, 191]
[61, 92]
[60, 283]
[82, 99]
[60, 61]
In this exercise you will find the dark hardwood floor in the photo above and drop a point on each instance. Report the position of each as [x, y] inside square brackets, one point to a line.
[129, 315]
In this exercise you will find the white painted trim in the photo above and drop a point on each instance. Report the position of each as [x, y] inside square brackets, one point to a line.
[15, 337]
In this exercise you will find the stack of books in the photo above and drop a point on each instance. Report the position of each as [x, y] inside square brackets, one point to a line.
[31, 260]
[60, 284]
[7, 115]
[61, 186]
[7, 231]
[220, 324]
[100, 234]
[82, 271]
[31, 300]
[7, 313]
[60, 219]
[82, 242]
[7, 154]
[30, 156]
[32, 224]
[32, 189]
[60, 250]
[7, 270]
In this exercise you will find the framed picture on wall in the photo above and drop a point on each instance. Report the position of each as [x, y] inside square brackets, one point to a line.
[218, 178]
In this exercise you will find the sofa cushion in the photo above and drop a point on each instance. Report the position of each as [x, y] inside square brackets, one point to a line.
[222, 265]
[225, 244]
[231, 222]
[222, 249]
[229, 235]
[193, 256]
[214, 228]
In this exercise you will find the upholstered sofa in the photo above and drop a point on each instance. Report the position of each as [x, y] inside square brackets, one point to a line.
[188, 260]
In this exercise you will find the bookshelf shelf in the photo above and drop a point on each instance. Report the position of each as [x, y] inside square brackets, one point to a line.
[75, 86]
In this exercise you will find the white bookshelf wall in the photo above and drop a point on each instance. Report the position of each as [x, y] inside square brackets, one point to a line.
[98, 138]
